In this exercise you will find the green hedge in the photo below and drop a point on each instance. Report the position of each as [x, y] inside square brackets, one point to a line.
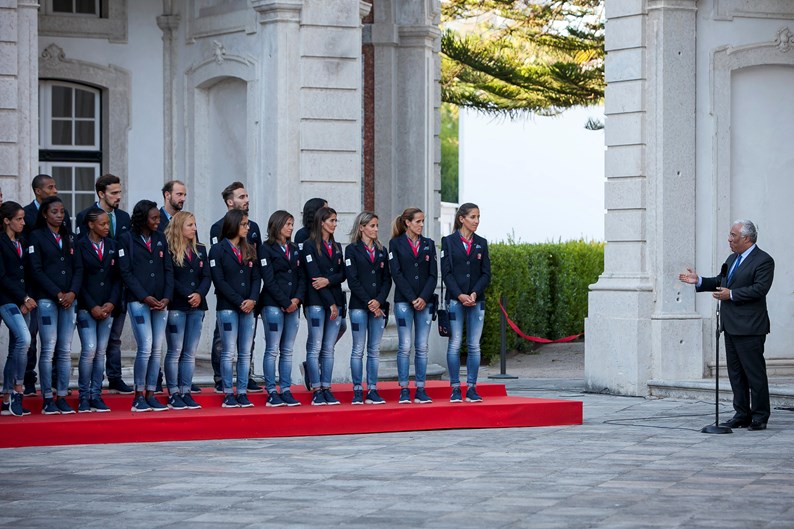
[545, 287]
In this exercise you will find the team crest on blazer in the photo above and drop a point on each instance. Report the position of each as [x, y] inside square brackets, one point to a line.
[161, 253]
[427, 257]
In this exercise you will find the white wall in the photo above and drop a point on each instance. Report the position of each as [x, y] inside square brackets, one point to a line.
[535, 179]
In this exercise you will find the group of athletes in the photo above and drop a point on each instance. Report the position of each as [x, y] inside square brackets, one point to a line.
[151, 266]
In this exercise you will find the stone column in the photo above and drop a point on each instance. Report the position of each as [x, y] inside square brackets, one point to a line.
[618, 344]
[279, 132]
[168, 24]
[19, 99]
[642, 324]
[406, 41]
[676, 327]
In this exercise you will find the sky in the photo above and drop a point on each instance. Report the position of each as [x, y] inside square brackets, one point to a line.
[535, 179]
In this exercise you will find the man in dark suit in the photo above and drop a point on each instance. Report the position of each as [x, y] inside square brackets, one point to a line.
[108, 191]
[235, 197]
[43, 186]
[174, 196]
[742, 289]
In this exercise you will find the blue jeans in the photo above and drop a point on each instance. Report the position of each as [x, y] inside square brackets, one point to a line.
[148, 327]
[56, 328]
[281, 329]
[182, 336]
[18, 343]
[94, 337]
[474, 318]
[113, 353]
[366, 328]
[407, 318]
[236, 330]
[322, 337]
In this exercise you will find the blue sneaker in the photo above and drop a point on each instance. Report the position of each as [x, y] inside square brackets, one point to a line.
[139, 404]
[455, 397]
[84, 406]
[288, 399]
[274, 400]
[155, 404]
[242, 400]
[329, 397]
[471, 395]
[15, 406]
[318, 399]
[374, 398]
[63, 406]
[358, 397]
[421, 397]
[253, 387]
[229, 401]
[405, 396]
[191, 404]
[175, 402]
[98, 405]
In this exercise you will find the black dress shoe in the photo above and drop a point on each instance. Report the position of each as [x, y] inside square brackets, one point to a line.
[736, 423]
[755, 425]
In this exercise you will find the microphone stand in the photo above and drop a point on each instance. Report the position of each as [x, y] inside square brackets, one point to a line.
[716, 428]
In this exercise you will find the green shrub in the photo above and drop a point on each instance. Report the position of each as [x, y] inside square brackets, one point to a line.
[545, 288]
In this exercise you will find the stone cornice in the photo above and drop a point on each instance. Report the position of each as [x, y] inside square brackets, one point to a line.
[672, 5]
[278, 10]
[168, 22]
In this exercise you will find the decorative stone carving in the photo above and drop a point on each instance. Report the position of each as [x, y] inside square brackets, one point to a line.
[730, 9]
[785, 39]
[218, 51]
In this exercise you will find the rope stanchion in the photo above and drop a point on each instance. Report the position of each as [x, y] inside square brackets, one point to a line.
[503, 348]
[535, 339]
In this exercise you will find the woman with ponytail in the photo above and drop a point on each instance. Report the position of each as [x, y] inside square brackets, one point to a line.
[414, 269]
[466, 271]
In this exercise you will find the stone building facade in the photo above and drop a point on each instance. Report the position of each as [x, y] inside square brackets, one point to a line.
[699, 111]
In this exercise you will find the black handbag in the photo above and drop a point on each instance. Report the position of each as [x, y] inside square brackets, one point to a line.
[442, 314]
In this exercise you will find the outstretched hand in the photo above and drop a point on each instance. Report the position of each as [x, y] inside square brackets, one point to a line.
[690, 277]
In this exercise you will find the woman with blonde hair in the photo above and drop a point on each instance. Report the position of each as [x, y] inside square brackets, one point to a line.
[369, 280]
[187, 309]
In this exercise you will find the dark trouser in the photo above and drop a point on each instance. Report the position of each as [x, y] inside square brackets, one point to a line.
[747, 372]
[113, 354]
[30, 367]
[215, 355]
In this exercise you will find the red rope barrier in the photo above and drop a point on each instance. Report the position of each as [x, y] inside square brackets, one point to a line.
[535, 338]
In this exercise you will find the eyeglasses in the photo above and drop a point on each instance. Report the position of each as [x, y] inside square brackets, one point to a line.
[243, 224]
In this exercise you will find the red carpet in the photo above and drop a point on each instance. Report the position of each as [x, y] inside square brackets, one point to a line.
[213, 422]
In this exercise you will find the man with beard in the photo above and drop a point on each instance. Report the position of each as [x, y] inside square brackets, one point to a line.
[236, 197]
[174, 196]
[43, 187]
[108, 190]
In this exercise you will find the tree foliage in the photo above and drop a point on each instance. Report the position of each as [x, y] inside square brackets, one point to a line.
[449, 153]
[522, 56]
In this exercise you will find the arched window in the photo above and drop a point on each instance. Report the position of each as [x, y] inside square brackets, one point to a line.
[70, 140]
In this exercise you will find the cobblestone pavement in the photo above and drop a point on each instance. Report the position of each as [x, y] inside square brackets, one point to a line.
[635, 463]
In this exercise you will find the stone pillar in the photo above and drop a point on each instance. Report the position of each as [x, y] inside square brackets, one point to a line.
[406, 39]
[18, 99]
[278, 173]
[642, 323]
[168, 24]
[676, 327]
[618, 345]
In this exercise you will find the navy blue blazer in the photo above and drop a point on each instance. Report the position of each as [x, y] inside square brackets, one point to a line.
[122, 222]
[53, 269]
[32, 212]
[254, 236]
[101, 279]
[301, 236]
[367, 280]
[146, 273]
[192, 277]
[414, 277]
[13, 288]
[745, 314]
[234, 282]
[283, 278]
[319, 264]
[164, 220]
[465, 273]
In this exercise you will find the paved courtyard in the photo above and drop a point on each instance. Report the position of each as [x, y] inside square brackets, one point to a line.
[634, 463]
